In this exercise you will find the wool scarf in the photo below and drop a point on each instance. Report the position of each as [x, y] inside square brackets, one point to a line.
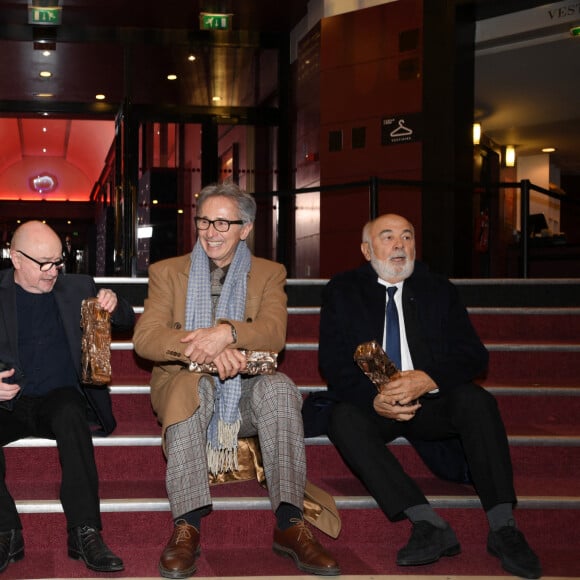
[222, 433]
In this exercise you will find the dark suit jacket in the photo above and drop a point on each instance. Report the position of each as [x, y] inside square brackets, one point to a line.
[441, 338]
[69, 292]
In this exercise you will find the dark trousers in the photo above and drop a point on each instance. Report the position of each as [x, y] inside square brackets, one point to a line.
[61, 415]
[468, 412]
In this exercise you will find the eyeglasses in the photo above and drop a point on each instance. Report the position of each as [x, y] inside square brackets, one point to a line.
[220, 225]
[44, 266]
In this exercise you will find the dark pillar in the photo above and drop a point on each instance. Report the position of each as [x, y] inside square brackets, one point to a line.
[448, 62]
[209, 152]
[284, 246]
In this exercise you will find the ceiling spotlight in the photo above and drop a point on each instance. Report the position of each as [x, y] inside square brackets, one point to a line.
[548, 150]
[191, 58]
[100, 97]
[216, 99]
[45, 74]
[46, 53]
[171, 77]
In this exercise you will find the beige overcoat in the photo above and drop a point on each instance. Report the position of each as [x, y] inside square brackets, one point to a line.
[174, 395]
[159, 329]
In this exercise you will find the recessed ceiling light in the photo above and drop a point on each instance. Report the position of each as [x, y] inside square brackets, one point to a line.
[46, 53]
[44, 96]
[44, 129]
[215, 99]
[45, 74]
[100, 97]
[44, 149]
[548, 150]
[191, 57]
[171, 77]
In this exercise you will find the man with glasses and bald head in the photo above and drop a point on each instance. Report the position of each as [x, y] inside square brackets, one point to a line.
[40, 388]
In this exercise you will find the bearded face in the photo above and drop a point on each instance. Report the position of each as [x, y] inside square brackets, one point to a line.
[390, 247]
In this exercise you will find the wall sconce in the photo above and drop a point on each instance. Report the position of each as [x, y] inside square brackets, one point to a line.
[510, 156]
[476, 133]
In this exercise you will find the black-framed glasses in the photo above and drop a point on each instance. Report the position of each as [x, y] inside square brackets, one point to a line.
[220, 225]
[44, 266]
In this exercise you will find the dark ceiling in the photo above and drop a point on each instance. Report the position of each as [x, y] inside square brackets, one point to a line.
[526, 86]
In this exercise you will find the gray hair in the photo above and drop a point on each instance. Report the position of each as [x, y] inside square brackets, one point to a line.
[366, 232]
[245, 201]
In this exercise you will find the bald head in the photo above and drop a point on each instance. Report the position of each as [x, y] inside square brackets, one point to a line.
[36, 235]
[35, 243]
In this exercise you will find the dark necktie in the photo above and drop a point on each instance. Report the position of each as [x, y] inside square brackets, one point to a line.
[393, 332]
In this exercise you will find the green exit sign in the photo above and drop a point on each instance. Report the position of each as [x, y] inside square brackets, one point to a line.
[44, 15]
[209, 21]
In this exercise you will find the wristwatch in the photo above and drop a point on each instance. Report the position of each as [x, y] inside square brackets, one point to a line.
[233, 329]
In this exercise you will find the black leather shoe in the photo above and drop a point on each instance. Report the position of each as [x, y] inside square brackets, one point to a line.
[11, 548]
[85, 543]
[509, 545]
[427, 544]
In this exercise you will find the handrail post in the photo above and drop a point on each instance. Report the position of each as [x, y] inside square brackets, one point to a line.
[373, 198]
[524, 213]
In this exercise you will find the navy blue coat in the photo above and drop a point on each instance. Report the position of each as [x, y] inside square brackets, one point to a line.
[442, 343]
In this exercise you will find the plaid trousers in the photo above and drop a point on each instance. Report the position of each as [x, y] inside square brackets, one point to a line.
[270, 407]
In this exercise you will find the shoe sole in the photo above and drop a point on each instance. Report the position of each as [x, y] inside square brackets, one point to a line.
[451, 551]
[13, 558]
[179, 574]
[79, 556]
[513, 569]
[316, 570]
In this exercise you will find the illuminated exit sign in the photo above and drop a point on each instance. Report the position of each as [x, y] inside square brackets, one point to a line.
[44, 15]
[209, 21]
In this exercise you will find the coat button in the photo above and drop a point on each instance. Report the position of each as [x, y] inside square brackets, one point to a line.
[177, 325]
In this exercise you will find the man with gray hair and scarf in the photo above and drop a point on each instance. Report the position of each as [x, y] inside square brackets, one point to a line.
[208, 307]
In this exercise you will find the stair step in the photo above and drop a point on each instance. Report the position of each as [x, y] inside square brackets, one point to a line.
[240, 544]
[548, 468]
[509, 323]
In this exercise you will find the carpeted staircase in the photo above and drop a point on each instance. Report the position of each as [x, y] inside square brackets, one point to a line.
[534, 372]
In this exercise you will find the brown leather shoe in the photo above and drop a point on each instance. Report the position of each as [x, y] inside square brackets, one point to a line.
[178, 558]
[298, 543]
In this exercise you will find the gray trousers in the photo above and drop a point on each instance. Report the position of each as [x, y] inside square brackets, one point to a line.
[270, 406]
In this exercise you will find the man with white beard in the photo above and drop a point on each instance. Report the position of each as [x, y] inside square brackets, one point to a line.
[419, 320]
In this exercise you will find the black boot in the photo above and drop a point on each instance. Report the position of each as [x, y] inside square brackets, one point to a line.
[11, 548]
[85, 543]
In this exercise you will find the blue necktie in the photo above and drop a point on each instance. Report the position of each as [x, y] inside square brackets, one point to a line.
[393, 332]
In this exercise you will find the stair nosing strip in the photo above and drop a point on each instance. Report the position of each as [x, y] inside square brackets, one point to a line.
[499, 310]
[124, 345]
[263, 503]
[322, 440]
[496, 390]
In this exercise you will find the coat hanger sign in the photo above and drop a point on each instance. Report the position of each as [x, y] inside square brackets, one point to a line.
[400, 129]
